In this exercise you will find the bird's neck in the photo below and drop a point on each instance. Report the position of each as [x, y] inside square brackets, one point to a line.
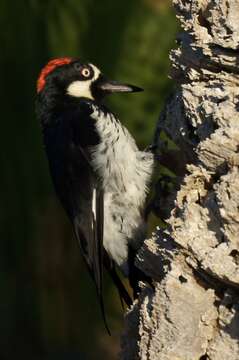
[53, 105]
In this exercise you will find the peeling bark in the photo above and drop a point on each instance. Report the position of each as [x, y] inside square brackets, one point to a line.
[193, 312]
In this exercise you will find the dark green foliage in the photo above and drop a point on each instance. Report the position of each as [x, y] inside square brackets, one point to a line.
[48, 303]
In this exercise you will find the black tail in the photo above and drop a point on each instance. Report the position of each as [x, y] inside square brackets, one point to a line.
[123, 293]
[95, 275]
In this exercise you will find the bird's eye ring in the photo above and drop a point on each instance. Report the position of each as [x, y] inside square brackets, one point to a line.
[85, 72]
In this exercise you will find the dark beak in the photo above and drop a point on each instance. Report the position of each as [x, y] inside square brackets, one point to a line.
[105, 86]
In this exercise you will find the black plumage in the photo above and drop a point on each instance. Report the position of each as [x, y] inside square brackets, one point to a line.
[70, 133]
[67, 139]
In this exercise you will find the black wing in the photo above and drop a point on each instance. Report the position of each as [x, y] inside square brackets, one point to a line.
[67, 146]
[91, 239]
[123, 293]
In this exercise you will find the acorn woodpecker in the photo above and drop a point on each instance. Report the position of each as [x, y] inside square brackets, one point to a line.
[99, 174]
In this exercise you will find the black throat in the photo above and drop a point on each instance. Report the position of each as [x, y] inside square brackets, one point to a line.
[68, 115]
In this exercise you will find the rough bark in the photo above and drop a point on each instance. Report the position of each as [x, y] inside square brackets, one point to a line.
[193, 312]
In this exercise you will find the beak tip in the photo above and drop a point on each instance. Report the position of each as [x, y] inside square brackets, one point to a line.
[136, 89]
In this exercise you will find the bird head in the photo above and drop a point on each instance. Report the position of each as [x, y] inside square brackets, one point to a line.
[71, 77]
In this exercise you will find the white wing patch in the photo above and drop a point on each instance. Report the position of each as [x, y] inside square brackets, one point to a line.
[94, 207]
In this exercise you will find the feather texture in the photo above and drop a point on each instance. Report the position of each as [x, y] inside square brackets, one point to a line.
[99, 174]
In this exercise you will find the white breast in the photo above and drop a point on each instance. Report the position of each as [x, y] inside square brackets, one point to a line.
[125, 173]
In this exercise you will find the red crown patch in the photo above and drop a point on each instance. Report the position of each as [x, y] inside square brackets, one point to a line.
[51, 65]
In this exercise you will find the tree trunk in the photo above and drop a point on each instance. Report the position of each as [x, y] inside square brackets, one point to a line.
[193, 312]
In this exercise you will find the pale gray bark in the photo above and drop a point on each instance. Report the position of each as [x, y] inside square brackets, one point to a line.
[193, 313]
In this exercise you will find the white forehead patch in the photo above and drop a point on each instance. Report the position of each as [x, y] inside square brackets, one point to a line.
[96, 71]
[81, 88]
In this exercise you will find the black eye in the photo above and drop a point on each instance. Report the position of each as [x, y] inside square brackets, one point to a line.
[85, 72]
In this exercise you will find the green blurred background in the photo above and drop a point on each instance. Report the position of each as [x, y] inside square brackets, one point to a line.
[48, 306]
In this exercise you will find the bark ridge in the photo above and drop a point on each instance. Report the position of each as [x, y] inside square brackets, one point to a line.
[193, 313]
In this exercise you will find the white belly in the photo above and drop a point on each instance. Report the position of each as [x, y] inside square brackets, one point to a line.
[124, 172]
[123, 226]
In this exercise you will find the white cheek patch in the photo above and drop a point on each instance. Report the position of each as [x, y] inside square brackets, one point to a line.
[80, 89]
